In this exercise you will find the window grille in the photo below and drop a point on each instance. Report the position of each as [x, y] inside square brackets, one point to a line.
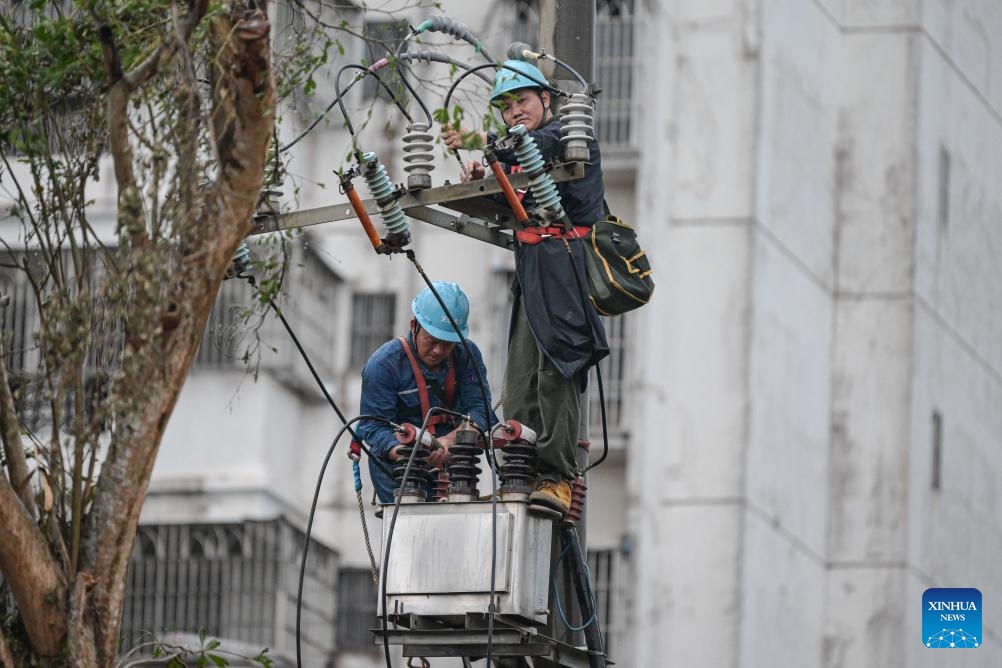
[356, 608]
[605, 567]
[237, 581]
[614, 72]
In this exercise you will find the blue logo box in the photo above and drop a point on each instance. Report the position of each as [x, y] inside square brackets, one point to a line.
[951, 618]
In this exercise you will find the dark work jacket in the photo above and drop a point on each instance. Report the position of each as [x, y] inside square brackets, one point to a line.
[563, 320]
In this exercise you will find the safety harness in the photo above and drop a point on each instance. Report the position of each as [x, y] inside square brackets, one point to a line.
[534, 235]
[422, 385]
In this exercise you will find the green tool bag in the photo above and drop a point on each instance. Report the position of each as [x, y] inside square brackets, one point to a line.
[619, 273]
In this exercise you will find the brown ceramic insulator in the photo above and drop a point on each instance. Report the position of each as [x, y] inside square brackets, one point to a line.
[578, 488]
[441, 487]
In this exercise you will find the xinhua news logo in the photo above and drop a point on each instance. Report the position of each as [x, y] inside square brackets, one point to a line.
[951, 618]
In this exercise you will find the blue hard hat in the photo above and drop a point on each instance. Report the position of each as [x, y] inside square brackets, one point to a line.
[507, 81]
[429, 314]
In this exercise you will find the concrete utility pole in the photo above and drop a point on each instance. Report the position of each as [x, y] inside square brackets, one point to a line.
[567, 30]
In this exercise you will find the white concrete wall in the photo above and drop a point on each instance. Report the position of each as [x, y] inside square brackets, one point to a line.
[786, 478]
[954, 532]
[696, 196]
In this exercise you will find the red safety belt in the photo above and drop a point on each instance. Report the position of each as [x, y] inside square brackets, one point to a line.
[422, 384]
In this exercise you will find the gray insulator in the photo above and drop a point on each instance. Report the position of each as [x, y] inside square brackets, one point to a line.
[456, 29]
[382, 191]
[577, 130]
[439, 57]
[418, 156]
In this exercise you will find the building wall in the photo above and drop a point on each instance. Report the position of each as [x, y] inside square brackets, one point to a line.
[871, 304]
[685, 471]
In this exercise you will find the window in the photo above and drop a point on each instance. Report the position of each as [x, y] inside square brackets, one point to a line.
[614, 65]
[943, 203]
[371, 324]
[937, 451]
[356, 608]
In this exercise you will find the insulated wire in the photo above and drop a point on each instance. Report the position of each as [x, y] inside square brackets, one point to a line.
[492, 459]
[309, 526]
[336, 100]
[556, 593]
[499, 66]
[340, 96]
[316, 376]
[389, 536]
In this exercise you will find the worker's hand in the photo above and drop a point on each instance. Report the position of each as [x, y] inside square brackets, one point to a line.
[455, 137]
[473, 171]
[452, 137]
[439, 457]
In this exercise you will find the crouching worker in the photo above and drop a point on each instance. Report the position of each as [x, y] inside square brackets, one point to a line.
[409, 375]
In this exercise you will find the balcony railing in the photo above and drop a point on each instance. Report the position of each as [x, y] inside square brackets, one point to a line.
[238, 582]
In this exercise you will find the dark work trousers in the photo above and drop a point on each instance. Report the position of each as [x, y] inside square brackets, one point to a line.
[539, 397]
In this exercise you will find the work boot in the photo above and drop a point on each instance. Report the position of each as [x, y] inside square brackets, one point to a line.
[552, 494]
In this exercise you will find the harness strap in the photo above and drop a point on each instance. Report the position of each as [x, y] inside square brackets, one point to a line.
[422, 384]
[533, 235]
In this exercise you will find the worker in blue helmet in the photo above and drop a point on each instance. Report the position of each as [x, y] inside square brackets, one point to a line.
[556, 335]
[427, 368]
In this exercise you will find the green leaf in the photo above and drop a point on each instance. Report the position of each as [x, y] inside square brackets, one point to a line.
[218, 660]
[310, 86]
[264, 660]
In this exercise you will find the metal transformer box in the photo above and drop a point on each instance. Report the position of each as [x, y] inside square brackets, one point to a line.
[440, 560]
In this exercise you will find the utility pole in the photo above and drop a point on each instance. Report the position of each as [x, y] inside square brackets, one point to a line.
[567, 30]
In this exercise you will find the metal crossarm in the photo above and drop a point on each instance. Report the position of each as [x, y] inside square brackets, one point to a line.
[481, 218]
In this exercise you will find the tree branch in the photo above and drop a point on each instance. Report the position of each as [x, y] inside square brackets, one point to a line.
[10, 433]
[6, 660]
[32, 575]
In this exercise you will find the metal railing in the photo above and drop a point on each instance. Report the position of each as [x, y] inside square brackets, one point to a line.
[605, 568]
[615, 64]
[237, 581]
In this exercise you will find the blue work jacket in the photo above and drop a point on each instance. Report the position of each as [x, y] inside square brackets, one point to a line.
[389, 390]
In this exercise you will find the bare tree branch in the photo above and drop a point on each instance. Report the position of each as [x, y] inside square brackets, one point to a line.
[10, 433]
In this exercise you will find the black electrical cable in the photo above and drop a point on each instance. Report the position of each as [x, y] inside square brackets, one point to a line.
[414, 94]
[309, 525]
[605, 426]
[568, 68]
[542, 84]
[340, 95]
[316, 376]
[389, 534]
[492, 459]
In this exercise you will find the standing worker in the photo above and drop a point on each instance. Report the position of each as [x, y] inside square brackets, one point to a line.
[409, 375]
[556, 335]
